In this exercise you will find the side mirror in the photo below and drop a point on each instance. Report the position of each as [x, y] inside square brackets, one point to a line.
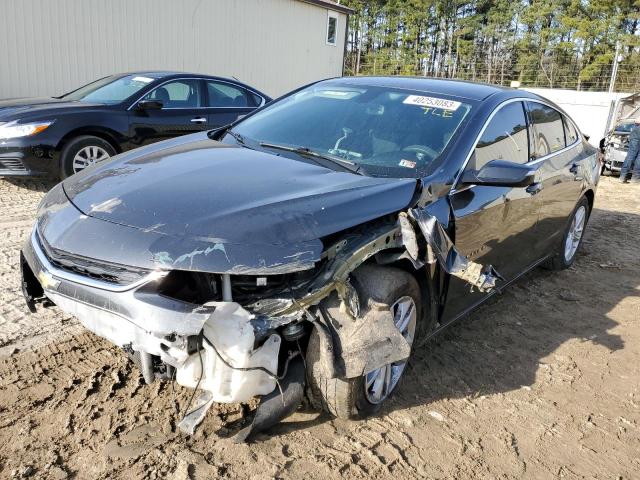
[501, 173]
[149, 105]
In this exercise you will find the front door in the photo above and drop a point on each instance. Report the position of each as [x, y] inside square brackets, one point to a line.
[494, 225]
[183, 111]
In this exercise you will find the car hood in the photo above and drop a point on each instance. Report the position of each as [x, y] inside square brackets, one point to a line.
[15, 108]
[204, 196]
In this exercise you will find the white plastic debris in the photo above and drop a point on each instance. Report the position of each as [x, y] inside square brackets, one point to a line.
[230, 332]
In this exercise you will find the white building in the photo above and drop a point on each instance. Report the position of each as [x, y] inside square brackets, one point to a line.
[593, 112]
[49, 47]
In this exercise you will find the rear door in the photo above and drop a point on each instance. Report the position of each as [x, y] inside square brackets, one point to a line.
[556, 145]
[494, 225]
[183, 111]
[226, 102]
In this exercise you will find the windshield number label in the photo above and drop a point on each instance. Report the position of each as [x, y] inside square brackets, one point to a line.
[432, 102]
[407, 163]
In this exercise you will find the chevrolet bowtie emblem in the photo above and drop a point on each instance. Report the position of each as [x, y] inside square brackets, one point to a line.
[47, 281]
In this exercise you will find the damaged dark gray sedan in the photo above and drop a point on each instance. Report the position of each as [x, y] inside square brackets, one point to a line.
[309, 248]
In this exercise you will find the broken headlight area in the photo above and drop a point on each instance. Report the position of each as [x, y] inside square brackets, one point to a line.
[202, 287]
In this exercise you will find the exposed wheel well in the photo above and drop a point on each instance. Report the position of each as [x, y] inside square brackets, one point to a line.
[590, 198]
[103, 134]
[423, 282]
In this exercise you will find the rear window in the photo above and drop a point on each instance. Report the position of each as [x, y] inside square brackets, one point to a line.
[547, 132]
[570, 132]
[223, 95]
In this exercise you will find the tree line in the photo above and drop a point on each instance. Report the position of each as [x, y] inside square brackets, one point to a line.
[544, 43]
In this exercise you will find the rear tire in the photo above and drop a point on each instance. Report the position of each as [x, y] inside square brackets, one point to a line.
[349, 398]
[565, 254]
[85, 149]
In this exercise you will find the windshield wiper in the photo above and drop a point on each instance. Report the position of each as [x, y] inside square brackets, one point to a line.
[307, 152]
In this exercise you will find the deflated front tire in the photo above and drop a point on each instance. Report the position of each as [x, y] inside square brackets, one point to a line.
[362, 396]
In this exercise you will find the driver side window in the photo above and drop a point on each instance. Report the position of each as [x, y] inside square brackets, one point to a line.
[505, 138]
[178, 94]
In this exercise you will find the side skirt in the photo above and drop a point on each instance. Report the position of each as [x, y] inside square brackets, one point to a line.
[483, 300]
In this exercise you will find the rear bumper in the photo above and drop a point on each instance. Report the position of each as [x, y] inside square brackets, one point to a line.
[136, 317]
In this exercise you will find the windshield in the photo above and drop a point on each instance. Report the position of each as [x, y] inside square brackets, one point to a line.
[110, 90]
[385, 131]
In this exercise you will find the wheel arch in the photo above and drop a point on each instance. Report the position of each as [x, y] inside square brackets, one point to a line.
[427, 282]
[591, 196]
[109, 136]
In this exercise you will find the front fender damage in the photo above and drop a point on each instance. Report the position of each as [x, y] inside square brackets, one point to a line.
[232, 350]
[350, 333]
[356, 339]
[441, 250]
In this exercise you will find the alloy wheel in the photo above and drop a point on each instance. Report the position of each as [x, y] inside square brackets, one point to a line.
[575, 233]
[88, 156]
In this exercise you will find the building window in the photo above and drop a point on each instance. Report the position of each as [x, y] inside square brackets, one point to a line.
[332, 28]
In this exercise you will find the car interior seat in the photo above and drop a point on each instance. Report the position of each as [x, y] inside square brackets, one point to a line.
[162, 95]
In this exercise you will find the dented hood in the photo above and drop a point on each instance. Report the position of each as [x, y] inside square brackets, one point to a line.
[230, 198]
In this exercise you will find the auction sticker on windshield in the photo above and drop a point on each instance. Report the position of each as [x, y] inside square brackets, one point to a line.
[142, 79]
[432, 102]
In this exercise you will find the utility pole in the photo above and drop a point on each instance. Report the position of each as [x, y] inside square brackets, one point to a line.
[614, 70]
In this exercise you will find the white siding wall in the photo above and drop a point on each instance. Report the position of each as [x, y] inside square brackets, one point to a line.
[48, 47]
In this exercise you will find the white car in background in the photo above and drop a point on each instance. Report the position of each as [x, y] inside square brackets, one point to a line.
[614, 146]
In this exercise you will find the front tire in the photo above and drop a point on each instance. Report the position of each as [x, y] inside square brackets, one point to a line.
[566, 252]
[82, 151]
[357, 398]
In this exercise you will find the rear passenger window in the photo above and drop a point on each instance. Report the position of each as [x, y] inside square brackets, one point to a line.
[547, 135]
[505, 138]
[226, 95]
[569, 131]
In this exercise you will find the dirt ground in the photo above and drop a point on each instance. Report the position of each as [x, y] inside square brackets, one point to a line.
[542, 382]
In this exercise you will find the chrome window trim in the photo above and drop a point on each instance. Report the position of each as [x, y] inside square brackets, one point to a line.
[454, 188]
[262, 99]
[87, 281]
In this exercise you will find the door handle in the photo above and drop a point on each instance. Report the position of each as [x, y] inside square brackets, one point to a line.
[198, 120]
[534, 188]
[574, 168]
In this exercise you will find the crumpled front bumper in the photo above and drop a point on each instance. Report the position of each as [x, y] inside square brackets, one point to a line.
[138, 317]
[614, 158]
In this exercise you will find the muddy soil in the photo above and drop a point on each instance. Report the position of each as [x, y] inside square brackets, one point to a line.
[542, 382]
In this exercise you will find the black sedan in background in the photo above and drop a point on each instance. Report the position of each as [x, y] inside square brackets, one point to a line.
[62, 135]
[336, 225]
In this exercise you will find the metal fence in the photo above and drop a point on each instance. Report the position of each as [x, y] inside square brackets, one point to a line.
[627, 77]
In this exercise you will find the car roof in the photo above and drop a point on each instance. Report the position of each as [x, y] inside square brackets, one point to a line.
[457, 88]
[158, 74]
[166, 74]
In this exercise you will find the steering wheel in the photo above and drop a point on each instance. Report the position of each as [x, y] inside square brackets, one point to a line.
[421, 149]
